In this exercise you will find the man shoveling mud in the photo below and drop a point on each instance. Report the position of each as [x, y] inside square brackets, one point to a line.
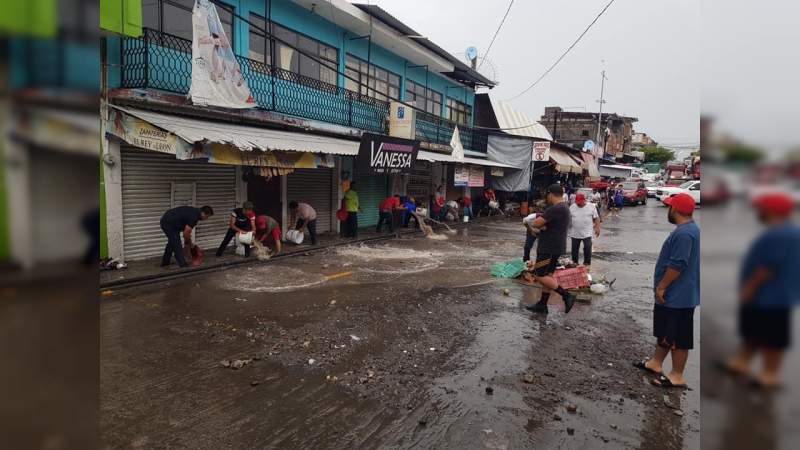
[552, 227]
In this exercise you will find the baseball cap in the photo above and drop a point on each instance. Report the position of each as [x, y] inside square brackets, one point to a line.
[683, 203]
[778, 203]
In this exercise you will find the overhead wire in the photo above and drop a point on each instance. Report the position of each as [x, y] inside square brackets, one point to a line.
[483, 58]
[541, 77]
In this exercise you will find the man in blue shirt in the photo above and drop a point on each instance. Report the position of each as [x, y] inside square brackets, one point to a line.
[768, 292]
[677, 293]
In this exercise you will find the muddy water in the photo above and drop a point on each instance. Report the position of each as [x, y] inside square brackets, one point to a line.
[392, 345]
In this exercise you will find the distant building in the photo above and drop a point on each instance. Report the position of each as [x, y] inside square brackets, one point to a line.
[574, 128]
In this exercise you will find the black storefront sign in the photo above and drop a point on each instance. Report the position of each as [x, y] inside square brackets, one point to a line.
[379, 154]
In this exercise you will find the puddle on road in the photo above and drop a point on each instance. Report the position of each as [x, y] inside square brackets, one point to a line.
[384, 252]
[270, 278]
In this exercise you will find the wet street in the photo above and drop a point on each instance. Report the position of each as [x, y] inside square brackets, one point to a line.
[400, 344]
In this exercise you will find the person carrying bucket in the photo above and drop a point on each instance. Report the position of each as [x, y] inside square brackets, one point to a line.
[268, 232]
[242, 220]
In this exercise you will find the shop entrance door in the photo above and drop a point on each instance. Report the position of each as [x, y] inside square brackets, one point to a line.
[266, 196]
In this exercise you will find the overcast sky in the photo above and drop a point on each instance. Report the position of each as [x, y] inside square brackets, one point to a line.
[651, 50]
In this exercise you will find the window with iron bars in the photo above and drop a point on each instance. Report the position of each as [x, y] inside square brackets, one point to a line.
[458, 112]
[384, 85]
[175, 17]
[427, 99]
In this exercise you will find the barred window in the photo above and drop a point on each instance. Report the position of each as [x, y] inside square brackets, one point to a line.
[458, 112]
[426, 99]
[382, 84]
[318, 61]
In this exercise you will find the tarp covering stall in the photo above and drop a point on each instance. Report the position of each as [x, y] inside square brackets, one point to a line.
[516, 153]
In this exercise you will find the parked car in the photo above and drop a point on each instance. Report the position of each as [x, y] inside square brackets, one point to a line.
[652, 187]
[691, 187]
[634, 193]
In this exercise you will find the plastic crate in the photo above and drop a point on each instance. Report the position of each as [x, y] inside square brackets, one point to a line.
[572, 278]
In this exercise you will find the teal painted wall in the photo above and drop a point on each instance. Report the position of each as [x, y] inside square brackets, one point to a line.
[303, 21]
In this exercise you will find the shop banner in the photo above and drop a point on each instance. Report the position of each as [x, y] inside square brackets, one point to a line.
[216, 76]
[139, 133]
[461, 176]
[476, 176]
[541, 151]
[458, 148]
[379, 154]
[497, 172]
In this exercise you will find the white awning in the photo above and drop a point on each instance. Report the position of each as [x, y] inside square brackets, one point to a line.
[441, 157]
[244, 137]
[564, 162]
[517, 123]
[434, 157]
[485, 162]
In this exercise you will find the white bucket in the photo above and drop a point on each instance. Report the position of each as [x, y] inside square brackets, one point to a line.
[294, 236]
[245, 238]
[466, 218]
[494, 205]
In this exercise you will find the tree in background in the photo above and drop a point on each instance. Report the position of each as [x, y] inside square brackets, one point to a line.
[658, 154]
[741, 153]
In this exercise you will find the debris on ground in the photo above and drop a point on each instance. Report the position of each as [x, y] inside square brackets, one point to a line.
[107, 293]
[572, 408]
[528, 378]
[570, 431]
[240, 299]
[311, 361]
[254, 383]
[235, 364]
[489, 390]
[506, 291]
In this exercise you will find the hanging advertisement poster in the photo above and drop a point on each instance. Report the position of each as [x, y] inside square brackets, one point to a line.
[216, 76]
[379, 154]
[541, 151]
[458, 147]
[476, 176]
[461, 176]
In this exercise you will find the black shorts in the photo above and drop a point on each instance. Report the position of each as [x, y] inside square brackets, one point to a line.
[673, 327]
[545, 264]
[766, 328]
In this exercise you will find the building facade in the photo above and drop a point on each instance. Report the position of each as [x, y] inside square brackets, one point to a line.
[575, 128]
[320, 76]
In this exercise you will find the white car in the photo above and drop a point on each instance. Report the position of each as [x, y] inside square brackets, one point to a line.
[652, 187]
[690, 187]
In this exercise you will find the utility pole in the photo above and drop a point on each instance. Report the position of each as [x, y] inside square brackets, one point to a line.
[602, 85]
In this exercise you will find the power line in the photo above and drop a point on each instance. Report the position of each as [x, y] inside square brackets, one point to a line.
[565, 53]
[496, 33]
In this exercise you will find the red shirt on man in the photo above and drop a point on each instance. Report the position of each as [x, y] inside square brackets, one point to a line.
[390, 204]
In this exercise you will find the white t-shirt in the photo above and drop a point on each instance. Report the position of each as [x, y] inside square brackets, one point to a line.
[596, 197]
[528, 220]
[582, 223]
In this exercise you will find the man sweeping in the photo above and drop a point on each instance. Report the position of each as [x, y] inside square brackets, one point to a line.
[552, 228]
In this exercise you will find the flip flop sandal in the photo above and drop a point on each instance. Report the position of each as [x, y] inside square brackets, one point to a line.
[723, 367]
[641, 365]
[663, 382]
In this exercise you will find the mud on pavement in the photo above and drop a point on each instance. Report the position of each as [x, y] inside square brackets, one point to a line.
[402, 344]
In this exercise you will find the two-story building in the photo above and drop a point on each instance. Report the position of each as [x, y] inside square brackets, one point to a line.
[321, 74]
[574, 128]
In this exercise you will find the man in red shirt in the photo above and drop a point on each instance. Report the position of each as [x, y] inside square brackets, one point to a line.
[268, 231]
[466, 204]
[386, 209]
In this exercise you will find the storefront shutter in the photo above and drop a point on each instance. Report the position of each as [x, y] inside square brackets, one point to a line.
[316, 187]
[148, 180]
[419, 182]
[371, 192]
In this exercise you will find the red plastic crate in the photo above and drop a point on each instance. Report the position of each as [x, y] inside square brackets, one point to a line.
[572, 278]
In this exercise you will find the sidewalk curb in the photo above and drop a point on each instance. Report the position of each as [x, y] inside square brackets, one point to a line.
[188, 272]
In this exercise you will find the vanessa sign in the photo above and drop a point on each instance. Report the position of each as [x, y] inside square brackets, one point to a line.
[379, 154]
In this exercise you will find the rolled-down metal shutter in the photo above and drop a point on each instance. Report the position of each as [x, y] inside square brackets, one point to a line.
[419, 182]
[147, 182]
[317, 188]
[371, 192]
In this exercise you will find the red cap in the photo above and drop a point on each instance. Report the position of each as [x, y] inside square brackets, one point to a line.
[778, 203]
[683, 203]
[580, 198]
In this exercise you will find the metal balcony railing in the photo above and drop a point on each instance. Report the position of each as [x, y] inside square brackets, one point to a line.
[431, 128]
[163, 61]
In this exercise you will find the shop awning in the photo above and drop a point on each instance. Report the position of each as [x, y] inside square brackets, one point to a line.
[485, 162]
[441, 157]
[243, 137]
[564, 162]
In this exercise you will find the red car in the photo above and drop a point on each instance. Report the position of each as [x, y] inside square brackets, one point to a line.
[634, 193]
